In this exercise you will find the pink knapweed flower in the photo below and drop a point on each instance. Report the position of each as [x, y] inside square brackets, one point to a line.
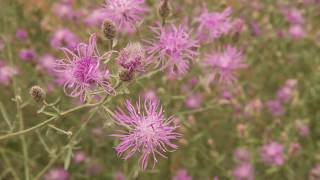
[83, 71]
[225, 64]
[213, 25]
[132, 57]
[79, 157]
[194, 101]
[272, 154]
[293, 15]
[241, 155]
[296, 31]
[149, 132]
[64, 38]
[174, 49]
[57, 174]
[63, 10]
[119, 176]
[126, 14]
[182, 174]
[243, 171]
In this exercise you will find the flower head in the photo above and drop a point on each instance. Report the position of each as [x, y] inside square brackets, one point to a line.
[174, 49]
[21, 34]
[126, 14]
[213, 25]
[225, 64]
[276, 107]
[57, 174]
[64, 38]
[132, 57]
[47, 63]
[149, 132]
[243, 171]
[83, 71]
[95, 18]
[182, 174]
[27, 54]
[6, 73]
[272, 154]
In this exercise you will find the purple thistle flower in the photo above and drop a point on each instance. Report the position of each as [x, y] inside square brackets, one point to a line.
[132, 57]
[225, 64]
[243, 171]
[296, 31]
[272, 154]
[79, 157]
[83, 70]
[174, 49]
[126, 14]
[64, 38]
[27, 54]
[293, 15]
[63, 10]
[57, 174]
[182, 174]
[214, 25]
[149, 132]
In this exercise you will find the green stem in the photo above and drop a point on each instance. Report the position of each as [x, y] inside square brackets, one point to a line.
[9, 165]
[25, 131]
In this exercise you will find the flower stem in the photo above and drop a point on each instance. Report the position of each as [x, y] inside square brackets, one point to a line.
[25, 131]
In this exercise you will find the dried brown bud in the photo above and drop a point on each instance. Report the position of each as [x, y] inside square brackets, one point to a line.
[37, 93]
[109, 29]
[126, 75]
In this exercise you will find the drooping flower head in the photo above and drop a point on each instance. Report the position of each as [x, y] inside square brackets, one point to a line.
[272, 154]
[212, 25]
[126, 14]
[83, 70]
[149, 132]
[174, 49]
[132, 57]
[182, 174]
[225, 64]
[64, 38]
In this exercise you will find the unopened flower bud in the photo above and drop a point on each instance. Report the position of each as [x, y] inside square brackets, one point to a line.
[126, 75]
[37, 93]
[109, 29]
[164, 10]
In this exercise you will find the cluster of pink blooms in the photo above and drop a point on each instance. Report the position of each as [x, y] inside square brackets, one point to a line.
[243, 170]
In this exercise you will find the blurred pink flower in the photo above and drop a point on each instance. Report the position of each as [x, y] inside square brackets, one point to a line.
[182, 174]
[272, 154]
[63, 10]
[214, 25]
[83, 70]
[293, 15]
[225, 64]
[126, 14]
[95, 18]
[275, 107]
[150, 95]
[119, 176]
[241, 155]
[243, 171]
[21, 34]
[149, 132]
[174, 49]
[194, 101]
[47, 64]
[79, 157]
[6, 73]
[296, 31]
[27, 54]
[57, 174]
[63, 37]
[132, 57]
[294, 149]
